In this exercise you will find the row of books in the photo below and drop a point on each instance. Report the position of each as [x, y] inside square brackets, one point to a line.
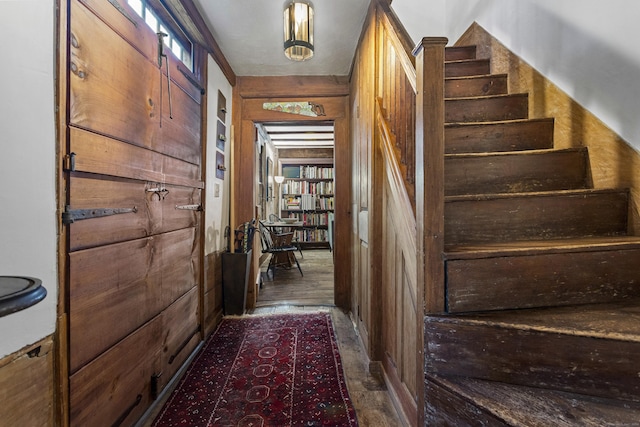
[312, 235]
[306, 187]
[318, 218]
[316, 172]
[306, 202]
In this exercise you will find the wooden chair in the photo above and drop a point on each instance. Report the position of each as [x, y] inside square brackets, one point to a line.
[280, 247]
[295, 240]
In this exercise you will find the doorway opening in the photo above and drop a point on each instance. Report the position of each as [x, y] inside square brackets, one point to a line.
[296, 184]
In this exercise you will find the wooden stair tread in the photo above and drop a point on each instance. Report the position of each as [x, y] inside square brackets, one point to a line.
[613, 321]
[576, 192]
[531, 247]
[513, 153]
[497, 122]
[481, 97]
[527, 406]
[478, 76]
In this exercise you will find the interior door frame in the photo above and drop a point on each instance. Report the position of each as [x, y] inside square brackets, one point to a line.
[332, 93]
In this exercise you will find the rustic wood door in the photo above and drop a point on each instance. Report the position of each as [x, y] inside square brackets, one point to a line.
[132, 182]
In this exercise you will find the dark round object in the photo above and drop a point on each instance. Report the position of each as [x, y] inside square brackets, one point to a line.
[18, 293]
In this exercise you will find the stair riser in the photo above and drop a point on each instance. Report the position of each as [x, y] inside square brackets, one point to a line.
[516, 173]
[477, 86]
[535, 217]
[577, 364]
[505, 283]
[511, 107]
[444, 408]
[457, 53]
[515, 136]
[475, 67]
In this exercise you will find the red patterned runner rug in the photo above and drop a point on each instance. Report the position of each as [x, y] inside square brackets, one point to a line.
[279, 370]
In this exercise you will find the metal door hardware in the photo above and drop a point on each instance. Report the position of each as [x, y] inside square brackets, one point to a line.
[190, 207]
[70, 162]
[69, 216]
[161, 54]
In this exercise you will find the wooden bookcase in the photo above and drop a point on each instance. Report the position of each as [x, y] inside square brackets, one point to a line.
[307, 193]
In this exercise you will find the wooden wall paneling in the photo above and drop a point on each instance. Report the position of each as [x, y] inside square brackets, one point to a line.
[212, 292]
[102, 155]
[181, 337]
[151, 273]
[354, 150]
[107, 73]
[27, 386]
[114, 389]
[342, 210]
[180, 208]
[311, 86]
[61, 367]
[94, 191]
[130, 315]
[153, 215]
[389, 288]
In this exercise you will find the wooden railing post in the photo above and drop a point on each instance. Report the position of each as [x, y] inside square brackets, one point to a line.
[430, 172]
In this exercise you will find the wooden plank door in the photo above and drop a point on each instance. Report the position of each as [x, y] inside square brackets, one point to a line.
[133, 219]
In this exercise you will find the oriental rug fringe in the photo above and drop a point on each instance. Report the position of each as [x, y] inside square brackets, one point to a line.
[278, 370]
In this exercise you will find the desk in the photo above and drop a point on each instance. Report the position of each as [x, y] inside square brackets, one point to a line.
[282, 224]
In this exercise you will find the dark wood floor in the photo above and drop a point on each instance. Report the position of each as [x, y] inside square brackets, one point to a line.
[288, 287]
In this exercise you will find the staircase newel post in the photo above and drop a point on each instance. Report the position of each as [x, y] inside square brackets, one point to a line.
[429, 189]
[430, 172]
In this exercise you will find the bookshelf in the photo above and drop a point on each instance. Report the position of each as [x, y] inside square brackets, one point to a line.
[308, 194]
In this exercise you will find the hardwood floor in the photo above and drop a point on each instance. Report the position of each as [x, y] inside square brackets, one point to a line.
[289, 287]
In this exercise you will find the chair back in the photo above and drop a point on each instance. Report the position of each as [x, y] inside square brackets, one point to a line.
[274, 218]
[265, 237]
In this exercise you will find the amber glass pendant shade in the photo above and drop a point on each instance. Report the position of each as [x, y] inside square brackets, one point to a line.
[298, 30]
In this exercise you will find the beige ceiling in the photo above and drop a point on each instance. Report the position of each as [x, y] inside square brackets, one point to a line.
[250, 34]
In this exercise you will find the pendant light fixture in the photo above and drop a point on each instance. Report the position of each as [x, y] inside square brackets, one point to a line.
[298, 30]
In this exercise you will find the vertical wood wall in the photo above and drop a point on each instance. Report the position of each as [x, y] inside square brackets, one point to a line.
[386, 305]
[132, 295]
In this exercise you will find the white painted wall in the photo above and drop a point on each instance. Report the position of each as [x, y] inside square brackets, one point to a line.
[217, 207]
[588, 48]
[28, 241]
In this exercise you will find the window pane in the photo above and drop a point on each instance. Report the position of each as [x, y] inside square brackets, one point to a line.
[151, 20]
[136, 5]
[176, 48]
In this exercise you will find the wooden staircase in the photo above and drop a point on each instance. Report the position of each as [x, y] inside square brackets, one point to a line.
[542, 277]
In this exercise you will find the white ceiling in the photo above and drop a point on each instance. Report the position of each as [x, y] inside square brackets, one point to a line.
[250, 34]
[292, 135]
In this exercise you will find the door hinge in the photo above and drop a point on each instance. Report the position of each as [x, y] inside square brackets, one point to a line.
[70, 162]
[69, 216]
